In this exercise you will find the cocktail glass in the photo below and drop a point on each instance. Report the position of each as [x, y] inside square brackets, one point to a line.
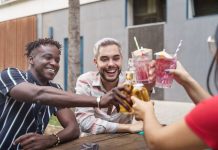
[142, 58]
[164, 79]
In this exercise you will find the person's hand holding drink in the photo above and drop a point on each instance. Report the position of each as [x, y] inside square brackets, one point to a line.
[164, 62]
[138, 90]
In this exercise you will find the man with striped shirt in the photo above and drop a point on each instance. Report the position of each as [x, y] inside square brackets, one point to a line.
[93, 120]
[28, 99]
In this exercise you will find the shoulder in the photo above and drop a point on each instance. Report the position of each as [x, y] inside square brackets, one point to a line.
[12, 74]
[88, 76]
[203, 121]
[206, 106]
[12, 71]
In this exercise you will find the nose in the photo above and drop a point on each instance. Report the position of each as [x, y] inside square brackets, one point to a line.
[111, 62]
[54, 62]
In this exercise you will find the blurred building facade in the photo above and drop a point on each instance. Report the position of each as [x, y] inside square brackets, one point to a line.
[157, 24]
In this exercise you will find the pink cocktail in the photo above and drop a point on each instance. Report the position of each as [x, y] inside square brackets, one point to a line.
[141, 59]
[141, 69]
[164, 79]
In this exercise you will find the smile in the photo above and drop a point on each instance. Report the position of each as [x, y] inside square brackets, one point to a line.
[51, 70]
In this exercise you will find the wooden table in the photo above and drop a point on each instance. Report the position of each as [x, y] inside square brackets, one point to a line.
[123, 141]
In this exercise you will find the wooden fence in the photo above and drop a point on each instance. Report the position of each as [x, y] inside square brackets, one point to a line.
[14, 35]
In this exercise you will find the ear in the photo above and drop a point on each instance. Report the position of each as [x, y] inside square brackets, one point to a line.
[30, 59]
[95, 61]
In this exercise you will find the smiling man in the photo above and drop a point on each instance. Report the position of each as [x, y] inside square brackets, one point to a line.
[28, 99]
[93, 120]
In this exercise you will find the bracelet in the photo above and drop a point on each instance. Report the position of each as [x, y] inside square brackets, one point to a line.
[98, 101]
[57, 139]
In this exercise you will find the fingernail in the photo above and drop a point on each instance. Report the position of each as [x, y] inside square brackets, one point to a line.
[167, 71]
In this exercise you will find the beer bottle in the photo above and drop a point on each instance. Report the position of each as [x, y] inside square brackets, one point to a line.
[140, 92]
[129, 81]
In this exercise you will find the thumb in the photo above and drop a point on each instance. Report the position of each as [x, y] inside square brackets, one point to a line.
[170, 71]
[134, 99]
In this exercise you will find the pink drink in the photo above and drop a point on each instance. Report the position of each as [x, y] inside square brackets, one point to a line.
[163, 79]
[141, 59]
[141, 68]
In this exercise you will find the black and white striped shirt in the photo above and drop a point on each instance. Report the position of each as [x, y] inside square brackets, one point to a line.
[18, 118]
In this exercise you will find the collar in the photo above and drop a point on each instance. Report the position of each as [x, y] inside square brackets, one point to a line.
[32, 79]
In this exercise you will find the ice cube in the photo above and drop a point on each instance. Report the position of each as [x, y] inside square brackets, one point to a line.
[141, 52]
[163, 54]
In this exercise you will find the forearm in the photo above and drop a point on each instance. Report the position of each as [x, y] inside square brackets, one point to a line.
[123, 128]
[195, 91]
[90, 124]
[151, 128]
[50, 96]
[68, 134]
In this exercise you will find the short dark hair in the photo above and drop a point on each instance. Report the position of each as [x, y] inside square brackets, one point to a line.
[37, 43]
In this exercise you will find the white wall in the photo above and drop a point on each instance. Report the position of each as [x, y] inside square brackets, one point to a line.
[23, 8]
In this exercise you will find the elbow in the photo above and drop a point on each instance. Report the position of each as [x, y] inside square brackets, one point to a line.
[153, 143]
[75, 132]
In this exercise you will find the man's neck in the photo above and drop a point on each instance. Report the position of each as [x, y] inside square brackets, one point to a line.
[40, 82]
[109, 85]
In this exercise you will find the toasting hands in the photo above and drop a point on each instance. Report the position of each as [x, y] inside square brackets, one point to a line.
[117, 97]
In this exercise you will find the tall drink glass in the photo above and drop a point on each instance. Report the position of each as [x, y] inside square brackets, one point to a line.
[163, 79]
[142, 58]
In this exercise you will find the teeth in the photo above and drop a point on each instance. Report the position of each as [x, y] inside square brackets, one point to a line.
[111, 71]
[51, 70]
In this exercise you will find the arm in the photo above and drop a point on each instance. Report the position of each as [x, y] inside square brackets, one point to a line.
[176, 136]
[50, 96]
[39, 141]
[90, 124]
[68, 120]
[87, 116]
[14, 83]
[192, 87]
[28, 92]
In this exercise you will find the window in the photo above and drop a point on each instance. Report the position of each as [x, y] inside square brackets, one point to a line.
[149, 11]
[203, 7]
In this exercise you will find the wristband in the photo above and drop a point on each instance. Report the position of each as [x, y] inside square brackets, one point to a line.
[58, 140]
[98, 101]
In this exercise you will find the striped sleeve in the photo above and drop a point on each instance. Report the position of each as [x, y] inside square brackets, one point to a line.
[9, 78]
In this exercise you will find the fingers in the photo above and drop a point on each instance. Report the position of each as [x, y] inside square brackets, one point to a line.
[118, 108]
[134, 99]
[23, 137]
[26, 141]
[170, 71]
[121, 94]
[121, 102]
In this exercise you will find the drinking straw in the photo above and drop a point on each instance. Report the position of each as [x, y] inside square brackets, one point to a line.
[136, 43]
[178, 48]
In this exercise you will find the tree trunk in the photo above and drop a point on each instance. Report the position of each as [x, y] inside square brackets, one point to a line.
[74, 43]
